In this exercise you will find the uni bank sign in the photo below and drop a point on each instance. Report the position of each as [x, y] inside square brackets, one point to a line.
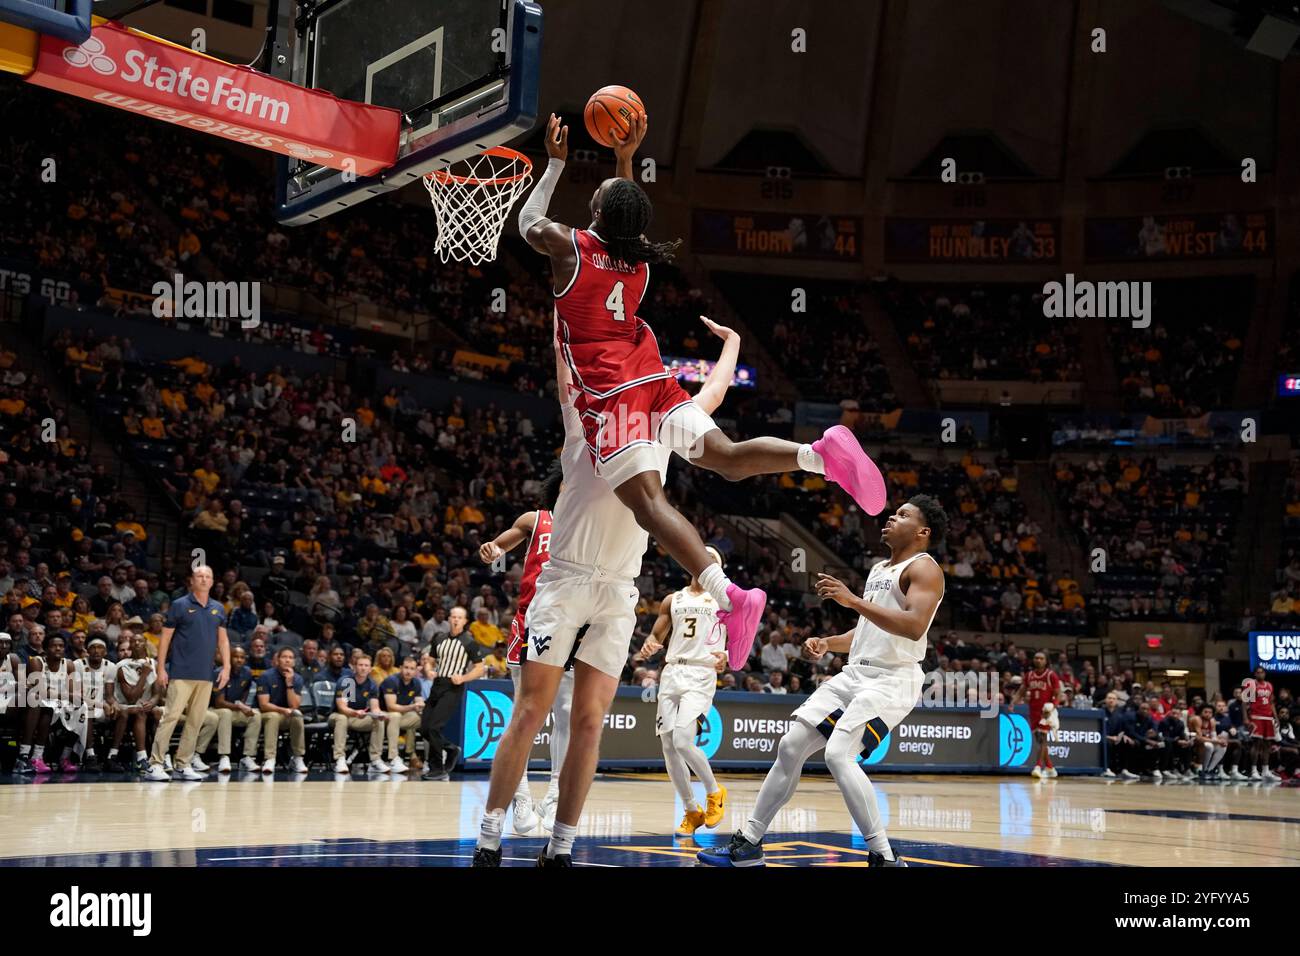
[1276, 651]
[134, 71]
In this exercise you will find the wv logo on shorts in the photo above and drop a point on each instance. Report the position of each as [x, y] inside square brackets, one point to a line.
[540, 644]
[1013, 740]
[487, 714]
[708, 734]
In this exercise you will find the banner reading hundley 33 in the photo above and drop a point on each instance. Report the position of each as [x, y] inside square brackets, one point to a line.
[742, 730]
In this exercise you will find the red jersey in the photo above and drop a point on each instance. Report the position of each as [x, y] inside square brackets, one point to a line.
[1262, 705]
[539, 549]
[605, 345]
[1039, 689]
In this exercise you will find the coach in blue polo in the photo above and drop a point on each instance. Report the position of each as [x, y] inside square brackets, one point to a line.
[195, 630]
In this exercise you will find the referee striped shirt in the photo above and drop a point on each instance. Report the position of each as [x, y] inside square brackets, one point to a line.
[453, 658]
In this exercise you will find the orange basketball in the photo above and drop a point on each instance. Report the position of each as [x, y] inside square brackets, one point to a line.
[609, 113]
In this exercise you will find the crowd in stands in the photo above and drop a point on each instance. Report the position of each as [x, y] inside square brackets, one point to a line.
[1153, 731]
[1284, 599]
[815, 330]
[1187, 361]
[986, 332]
[1165, 530]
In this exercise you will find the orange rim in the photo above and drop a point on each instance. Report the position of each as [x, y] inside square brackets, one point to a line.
[503, 152]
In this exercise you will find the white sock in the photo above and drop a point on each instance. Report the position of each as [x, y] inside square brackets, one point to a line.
[809, 460]
[561, 842]
[25, 750]
[141, 755]
[880, 844]
[714, 580]
[489, 831]
[38, 752]
[112, 752]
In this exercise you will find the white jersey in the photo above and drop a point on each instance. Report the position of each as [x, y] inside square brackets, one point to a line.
[874, 644]
[696, 631]
[55, 683]
[591, 527]
[95, 685]
[8, 684]
[131, 669]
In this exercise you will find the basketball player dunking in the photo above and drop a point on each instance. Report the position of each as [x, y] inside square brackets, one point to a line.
[595, 556]
[1040, 687]
[535, 528]
[629, 406]
[686, 691]
[851, 713]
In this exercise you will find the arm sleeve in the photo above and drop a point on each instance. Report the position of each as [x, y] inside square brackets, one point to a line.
[534, 208]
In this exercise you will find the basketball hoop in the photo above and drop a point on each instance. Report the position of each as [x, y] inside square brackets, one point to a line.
[471, 200]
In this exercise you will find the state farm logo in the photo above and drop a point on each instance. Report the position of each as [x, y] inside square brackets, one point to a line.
[91, 54]
[191, 78]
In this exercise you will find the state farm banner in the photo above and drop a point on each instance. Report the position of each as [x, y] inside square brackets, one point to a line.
[134, 71]
[743, 730]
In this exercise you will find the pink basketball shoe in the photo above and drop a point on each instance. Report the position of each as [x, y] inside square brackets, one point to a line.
[852, 469]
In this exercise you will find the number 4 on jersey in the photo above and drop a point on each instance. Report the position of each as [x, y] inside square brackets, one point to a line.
[615, 302]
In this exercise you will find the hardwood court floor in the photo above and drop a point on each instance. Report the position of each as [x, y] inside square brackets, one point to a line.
[316, 820]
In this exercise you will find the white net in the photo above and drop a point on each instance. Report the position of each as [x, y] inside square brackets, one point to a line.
[471, 200]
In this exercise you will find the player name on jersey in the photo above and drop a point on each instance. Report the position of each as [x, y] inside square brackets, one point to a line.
[602, 260]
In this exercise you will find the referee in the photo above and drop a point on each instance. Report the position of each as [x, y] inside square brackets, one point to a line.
[195, 630]
[457, 661]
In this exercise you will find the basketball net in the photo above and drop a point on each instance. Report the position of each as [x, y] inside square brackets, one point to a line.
[471, 200]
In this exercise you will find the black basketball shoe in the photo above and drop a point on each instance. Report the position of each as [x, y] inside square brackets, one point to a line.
[485, 857]
[560, 859]
[878, 859]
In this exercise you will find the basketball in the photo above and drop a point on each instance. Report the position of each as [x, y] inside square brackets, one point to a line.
[608, 114]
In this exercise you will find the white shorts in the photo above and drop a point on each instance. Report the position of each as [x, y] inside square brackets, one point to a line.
[863, 700]
[685, 695]
[565, 600]
[679, 431]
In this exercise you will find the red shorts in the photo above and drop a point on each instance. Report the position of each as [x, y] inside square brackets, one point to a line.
[627, 432]
[1265, 728]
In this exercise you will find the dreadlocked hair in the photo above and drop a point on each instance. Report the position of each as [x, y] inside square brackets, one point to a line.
[936, 519]
[551, 486]
[625, 212]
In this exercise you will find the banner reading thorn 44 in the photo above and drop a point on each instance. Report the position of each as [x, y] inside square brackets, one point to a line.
[741, 731]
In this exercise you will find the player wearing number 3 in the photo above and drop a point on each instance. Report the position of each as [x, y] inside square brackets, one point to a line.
[688, 629]
[630, 406]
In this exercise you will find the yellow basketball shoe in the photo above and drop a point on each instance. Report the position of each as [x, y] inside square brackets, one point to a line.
[692, 821]
[716, 807]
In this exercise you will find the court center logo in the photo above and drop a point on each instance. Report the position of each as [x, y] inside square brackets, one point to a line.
[709, 736]
[487, 714]
[1013, 740]
[90, 54]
